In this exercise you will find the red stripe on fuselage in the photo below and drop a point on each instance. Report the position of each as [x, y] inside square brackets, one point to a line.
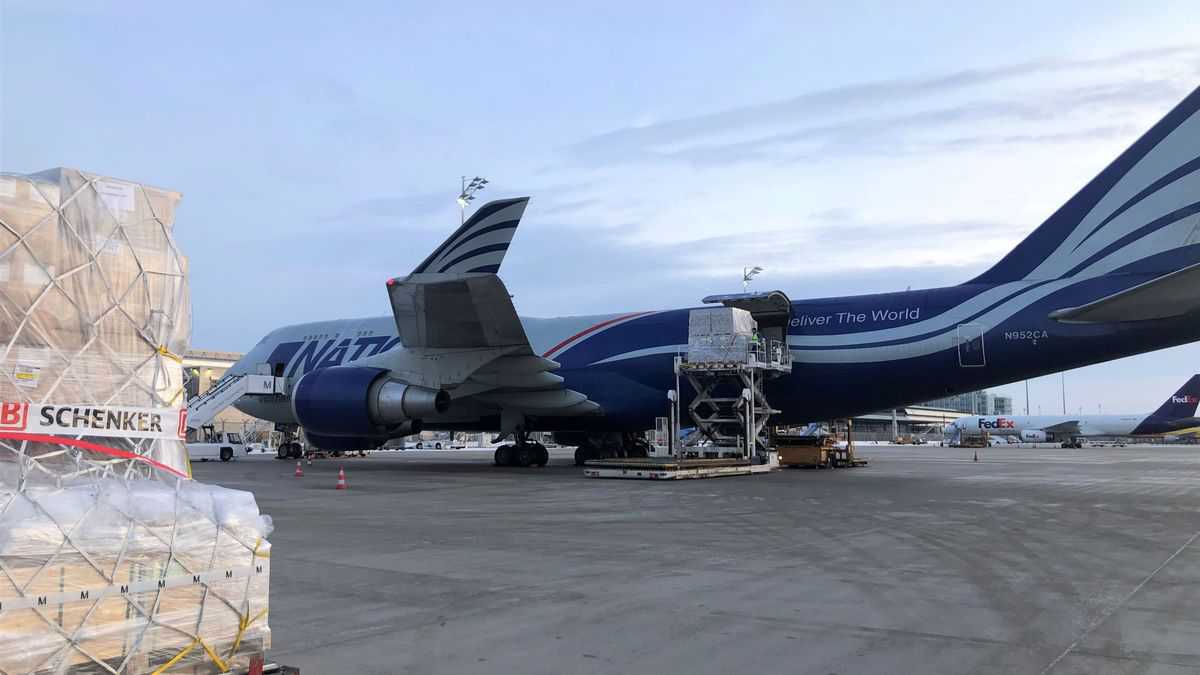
[592, 329]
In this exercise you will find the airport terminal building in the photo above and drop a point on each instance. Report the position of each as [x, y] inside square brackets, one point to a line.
[926, 420]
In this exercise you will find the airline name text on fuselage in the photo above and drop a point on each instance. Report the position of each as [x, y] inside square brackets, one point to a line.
[854, 318]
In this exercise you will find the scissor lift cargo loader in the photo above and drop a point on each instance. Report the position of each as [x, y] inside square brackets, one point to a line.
[726, 365]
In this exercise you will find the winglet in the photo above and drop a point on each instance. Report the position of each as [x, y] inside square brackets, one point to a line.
[480, 244]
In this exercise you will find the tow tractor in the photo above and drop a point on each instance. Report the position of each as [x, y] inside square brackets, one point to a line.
[212, 444]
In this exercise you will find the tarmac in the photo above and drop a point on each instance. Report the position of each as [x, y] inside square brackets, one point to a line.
[1027, 561]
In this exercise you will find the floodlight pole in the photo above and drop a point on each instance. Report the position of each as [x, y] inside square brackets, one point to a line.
[748, 273]
[467, 194]
[1064, 391]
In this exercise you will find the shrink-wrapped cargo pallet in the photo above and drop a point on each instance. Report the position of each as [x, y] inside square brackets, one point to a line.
[719, 335]
[132, 576]
[111, 559]
[94, 309]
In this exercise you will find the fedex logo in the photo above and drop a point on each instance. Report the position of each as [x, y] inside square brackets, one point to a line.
[998, 423]
[303, 357]
[1185, 399]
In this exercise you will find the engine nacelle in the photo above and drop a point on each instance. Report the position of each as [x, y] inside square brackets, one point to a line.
[361, 402]
[342, 443]
[1033, 436]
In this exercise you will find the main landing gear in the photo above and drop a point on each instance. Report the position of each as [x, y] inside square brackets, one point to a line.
[610, 446]
[522, 453]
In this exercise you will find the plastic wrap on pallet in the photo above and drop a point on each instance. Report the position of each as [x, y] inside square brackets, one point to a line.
[129, 576]
[720, 321]
[94, 308]
[720, 335]
[111, 559]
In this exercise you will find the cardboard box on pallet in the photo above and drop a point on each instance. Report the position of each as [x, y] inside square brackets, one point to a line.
[112, 561]
[149, 572]
[93, 296]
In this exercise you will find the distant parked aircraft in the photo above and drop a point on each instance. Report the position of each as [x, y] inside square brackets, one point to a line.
[1175, 416]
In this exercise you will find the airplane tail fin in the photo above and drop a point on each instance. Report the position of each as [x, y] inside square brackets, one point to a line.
[1140, 215]
[1183, 403]
[480, 243]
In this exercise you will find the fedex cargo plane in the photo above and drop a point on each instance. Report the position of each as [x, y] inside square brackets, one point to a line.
[1114, 271]
[1177, 414]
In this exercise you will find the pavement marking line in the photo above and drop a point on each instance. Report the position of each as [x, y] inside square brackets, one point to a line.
[1096, 624]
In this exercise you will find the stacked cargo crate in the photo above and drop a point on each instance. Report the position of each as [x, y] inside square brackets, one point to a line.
[111, 559]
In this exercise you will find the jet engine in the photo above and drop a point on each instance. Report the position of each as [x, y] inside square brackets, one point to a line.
[361, 402]
[343, 443]
[1033, 436]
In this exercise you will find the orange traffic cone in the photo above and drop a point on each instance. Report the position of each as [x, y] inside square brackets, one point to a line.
[341, 485]
[299, 470]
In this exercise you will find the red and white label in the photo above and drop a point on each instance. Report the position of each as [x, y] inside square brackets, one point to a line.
[93, 420]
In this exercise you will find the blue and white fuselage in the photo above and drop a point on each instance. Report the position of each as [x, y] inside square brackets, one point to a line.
[1107, 275]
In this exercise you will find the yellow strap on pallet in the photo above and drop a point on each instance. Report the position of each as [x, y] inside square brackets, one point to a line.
[244, 623]
[213, 655]
[184, 652]
[187, 650]
[259, 554]
[162, 349]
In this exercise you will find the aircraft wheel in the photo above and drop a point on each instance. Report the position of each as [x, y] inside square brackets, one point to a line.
[437, 446]
[295, 452]
[503, 455]
[283, 451]
[524, 455]
[582, 455]
[226, 454]
[541, 454]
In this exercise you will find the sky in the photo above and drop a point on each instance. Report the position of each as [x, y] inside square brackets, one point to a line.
[849, 147]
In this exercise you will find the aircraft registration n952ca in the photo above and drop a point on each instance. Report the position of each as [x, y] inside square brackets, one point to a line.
[1114, 271]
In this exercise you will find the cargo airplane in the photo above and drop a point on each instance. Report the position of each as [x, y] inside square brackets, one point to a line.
[1114, 271]
[1176, 415]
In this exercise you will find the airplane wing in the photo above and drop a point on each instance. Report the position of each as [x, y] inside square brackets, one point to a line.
[460, 331]
[1167, 296]
[1068, 427]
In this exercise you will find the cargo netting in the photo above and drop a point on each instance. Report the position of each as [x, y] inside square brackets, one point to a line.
[111, 559]
[94, 313]
[132, 576]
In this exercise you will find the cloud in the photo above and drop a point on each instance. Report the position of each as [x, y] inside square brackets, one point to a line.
[861, 103]
[388, 210]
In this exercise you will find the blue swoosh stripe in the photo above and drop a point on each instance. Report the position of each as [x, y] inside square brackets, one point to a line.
[472, 253]
[922, 336]
[506, 225]
[1157, 185]
[1149, 228]
[1048, 236]
[483, 212]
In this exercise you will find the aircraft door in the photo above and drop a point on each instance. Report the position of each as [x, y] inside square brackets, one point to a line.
[970, 346]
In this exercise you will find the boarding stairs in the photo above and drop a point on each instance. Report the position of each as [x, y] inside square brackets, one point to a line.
[202, 409]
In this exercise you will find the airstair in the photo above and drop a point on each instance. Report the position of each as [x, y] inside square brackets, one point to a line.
[202, 409]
